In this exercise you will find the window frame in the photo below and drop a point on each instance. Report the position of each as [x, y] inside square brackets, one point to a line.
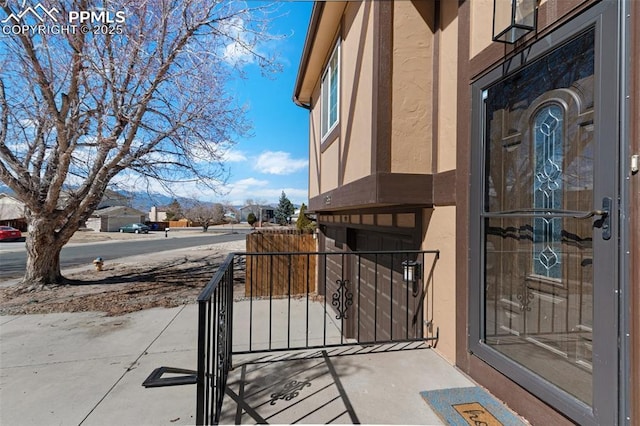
[326, 126]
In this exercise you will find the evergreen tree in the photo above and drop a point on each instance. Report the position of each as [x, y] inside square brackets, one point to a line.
[304, 223]
[284, 211]
[174, 210]
[252, 219]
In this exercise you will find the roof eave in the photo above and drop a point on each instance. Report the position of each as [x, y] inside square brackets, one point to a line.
[312, 31]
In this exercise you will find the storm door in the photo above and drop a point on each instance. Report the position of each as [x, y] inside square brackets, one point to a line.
[547, 239]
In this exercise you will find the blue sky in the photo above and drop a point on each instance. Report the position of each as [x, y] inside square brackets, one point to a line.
[275, 158]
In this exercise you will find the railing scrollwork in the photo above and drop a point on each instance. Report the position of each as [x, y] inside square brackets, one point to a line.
[342, 299]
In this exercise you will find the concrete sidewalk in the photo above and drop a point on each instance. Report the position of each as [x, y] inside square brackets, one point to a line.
[87, 369]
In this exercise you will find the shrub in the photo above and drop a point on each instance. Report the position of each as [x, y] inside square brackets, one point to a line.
[304, 223]
[252, 219]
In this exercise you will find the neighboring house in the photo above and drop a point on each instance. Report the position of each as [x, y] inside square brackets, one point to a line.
[12, 212]
[157, 215]
[110, 219]
[263, 213]
[519, 162]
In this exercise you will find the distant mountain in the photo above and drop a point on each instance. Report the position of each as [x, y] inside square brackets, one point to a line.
[139, 200]
[144, 201]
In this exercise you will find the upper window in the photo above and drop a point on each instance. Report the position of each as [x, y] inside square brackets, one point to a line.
[331, 92]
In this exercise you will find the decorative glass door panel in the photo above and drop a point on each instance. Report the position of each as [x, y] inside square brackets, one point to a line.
[538, 219]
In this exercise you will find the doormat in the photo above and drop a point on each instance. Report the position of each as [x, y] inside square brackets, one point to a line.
[469, 406]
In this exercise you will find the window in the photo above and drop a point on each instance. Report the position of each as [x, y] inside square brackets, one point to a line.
[331, 92]
[548, 190]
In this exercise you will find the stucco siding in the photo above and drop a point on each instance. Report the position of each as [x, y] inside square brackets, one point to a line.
[412, 116]
[329, 168]
[356, 92]
[315, 155]
[447, 90]
[481, 26]
[440, 234]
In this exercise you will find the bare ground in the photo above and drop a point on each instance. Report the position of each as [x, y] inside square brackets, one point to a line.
[169, 280]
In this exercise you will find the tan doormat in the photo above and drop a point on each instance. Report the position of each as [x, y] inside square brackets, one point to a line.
[470, 406]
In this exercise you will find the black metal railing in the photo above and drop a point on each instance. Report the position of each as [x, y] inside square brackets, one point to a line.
[262, 302]
[215, 324]
[288, 301]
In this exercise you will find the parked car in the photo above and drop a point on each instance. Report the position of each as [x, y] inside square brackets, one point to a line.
[8, 233]
[137, 228]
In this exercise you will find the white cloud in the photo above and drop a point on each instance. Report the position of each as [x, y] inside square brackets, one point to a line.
[262, 190]
[249, 183]
[233, 156]
[238, 51]
[279, 163]
[235, 193]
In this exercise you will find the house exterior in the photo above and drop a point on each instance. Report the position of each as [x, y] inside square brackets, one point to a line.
[157, 215]
[12, 212]
[110, 219]
[518, 161]
[263, 213]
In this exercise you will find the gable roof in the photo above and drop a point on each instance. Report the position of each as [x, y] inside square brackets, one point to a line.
[11, 208]
[118, 211]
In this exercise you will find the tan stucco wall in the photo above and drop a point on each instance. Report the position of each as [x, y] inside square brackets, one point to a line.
[447, 90]
[481, 26]
[347, 156]
[314, 152]
[356, 91]
[329, 168]
[412, 119]
[441, 235]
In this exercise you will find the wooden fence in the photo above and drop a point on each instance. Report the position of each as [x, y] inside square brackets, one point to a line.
[280, 275]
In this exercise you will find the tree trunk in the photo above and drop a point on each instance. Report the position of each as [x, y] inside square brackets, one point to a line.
[44, 245]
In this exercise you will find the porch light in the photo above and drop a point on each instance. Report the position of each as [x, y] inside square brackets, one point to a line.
[513, 19]
[411, 271]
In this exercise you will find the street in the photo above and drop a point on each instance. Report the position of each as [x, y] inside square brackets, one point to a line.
[13, 263]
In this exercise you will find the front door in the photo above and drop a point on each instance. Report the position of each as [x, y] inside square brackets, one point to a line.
[547, 229]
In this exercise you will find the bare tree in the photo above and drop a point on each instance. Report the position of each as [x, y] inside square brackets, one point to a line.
[231, 213]
[146, 102]
[255, 207]
[205, 215]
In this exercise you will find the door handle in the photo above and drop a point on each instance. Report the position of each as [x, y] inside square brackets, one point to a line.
[605, 221]
[549, 213]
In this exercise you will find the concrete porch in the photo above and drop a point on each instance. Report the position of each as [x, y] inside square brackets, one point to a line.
[87, 369]
[370, 385]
